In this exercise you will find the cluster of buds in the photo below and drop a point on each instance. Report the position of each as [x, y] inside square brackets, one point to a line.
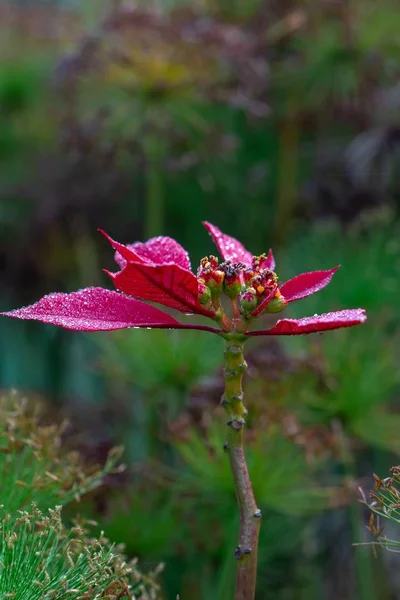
[255, 286]
[210, 279]
[253, 302]
[260, 292]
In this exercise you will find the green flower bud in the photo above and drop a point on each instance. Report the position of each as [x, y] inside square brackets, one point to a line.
[204, 293]
[233, 278]
[248, 301]
[277, 304]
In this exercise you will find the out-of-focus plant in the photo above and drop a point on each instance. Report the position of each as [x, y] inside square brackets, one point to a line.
[383, 525]
[242, 108]
[357, 401]
[384, 504]
[197, 490]
[160, 381]
[155, 79]
[372, 238]
[39, 556]
[35, 466]
[329, 71]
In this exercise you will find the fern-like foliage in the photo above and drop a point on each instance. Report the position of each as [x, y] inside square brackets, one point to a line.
[40, 558]
[34, 464]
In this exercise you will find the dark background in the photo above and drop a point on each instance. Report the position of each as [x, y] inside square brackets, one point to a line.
[279, 122]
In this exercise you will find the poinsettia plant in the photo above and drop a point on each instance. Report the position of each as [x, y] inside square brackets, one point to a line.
[233, 293]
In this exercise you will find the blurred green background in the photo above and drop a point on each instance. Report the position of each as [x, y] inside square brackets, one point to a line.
[279, 121]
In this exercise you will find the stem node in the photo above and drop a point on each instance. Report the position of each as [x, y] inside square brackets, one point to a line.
[241, 552]
[224, 401]
[236, 424]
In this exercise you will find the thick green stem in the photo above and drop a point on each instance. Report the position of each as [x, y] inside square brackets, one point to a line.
[250, 515]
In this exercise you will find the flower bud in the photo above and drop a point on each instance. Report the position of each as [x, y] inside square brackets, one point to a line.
[204, 293]
[248, 301]
[277, 304]
[233, 278]
[210, 274]
[248, 275]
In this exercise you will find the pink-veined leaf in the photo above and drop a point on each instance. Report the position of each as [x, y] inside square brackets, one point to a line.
[123, 252]
[162, 250]
[94, 309]
[229, 247]
[269, 262]
[306, 284]
[158, 251]
[169, 285]
[317, 323]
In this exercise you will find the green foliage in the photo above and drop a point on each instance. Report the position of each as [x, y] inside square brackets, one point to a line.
[384, 505]
[285, 485]
[35, 466]
[40, 560]
[25, 126]
[369, 252]
[330, 59]
[157, 362]
[39, 557]
[361, 378]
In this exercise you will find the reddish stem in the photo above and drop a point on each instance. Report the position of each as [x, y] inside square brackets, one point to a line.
[250, 515]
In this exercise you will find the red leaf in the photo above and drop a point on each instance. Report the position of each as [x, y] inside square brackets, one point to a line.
[334, 320]
[270, 261]
[160, 250]
[94, 309]
[169, 285]
[123, 253]
[229, 247]
[306, 284]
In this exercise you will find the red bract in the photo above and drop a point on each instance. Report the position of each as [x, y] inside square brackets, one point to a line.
[159, 271]
[299, 287]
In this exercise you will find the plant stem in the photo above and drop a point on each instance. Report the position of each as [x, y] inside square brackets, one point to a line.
[235, 313]
[250, 515]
